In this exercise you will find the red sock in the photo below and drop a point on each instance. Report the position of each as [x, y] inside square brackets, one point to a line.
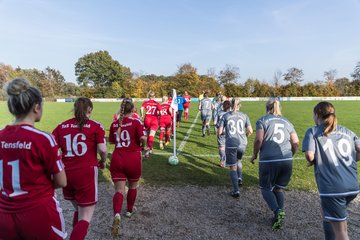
[186, 115]
[75, 218]
[150, 141]
[117, 202]
[167, 136]
[131, 197]
[161, 135]
[80, 230]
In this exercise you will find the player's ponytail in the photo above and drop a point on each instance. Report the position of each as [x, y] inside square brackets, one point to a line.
[326, 112]
[82, 107]
[126, 107]
[235, 104]
[21, 96]
[273, 107]
[165, 99]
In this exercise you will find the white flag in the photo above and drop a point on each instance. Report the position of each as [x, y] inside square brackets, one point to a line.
[174, 103]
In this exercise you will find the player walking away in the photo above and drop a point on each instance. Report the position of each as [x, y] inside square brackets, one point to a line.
[221, 137]
[205, 110]
[237, 128]
[180, 101]
[165, 122]
[333, 150]
[149, 112]
[216, 106]
[201, 96]
[277, 142]
[128, 137]
[80, 139]
[186, 105]
[30, 169]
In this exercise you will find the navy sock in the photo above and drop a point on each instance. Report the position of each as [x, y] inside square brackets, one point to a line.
[280, 199]
[328, 231]
[234, 180]
[270, 199]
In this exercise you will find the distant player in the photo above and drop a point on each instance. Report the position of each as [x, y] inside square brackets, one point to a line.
[237, 128]
[150, 112]
[216, 106]
[165, 122]
[180, 101]
[30, 169]
[333, 150]
[277, 142]
[80, 139]
[186, 105]
[205, 110]
[129, 137]
[221, 137]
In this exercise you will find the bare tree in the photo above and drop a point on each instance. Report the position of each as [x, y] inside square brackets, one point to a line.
[356, 73]
[277, 78]
[294, 76]
[229, 74]
[330, 75]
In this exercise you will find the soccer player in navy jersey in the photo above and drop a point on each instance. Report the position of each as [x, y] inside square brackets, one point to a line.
[237, 128]
[216, 106]
[277, 142]
[129, 136]
[80, 139]
[205, 110]
[333, 150]
[30, 170]
[221, 137]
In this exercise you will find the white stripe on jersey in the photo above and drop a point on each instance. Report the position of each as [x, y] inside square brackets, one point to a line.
[338, 194]
[60, 165]
[61, 233]
[47, 135]
[96, 183]
[136, 120]
[276, 160]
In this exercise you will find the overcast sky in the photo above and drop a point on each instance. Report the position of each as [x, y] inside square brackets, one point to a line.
[155, 37]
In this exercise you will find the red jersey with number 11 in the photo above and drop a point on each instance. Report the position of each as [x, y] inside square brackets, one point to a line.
[79, 147]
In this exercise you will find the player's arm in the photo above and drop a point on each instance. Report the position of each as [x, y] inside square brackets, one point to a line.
[59, 179]
[259, 138]
[249, 130]
[142, 111]
[102, 150]
[294, 140]
[357, 149]
[220, 130]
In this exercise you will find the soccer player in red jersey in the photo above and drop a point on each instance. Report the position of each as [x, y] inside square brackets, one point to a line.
[80, 139]
[150, 112]
[165, 122]
[186, 105]
[129, 137]
[30, 170]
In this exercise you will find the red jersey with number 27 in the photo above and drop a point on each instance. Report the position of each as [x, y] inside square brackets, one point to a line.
[79, 147]
[28, 159]
[151, 108]
[132, 129]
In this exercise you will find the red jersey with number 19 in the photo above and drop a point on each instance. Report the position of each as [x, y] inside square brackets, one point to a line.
[132, 130]
[79, 147]
[28, 159]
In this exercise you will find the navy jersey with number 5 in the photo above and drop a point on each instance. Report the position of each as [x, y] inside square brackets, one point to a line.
[335, 160]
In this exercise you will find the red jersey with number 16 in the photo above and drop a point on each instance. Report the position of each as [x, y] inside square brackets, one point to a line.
[79, 147]
[28, 159]
[132, 129]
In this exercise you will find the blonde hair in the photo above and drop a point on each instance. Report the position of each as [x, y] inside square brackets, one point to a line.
[326, 112]
[273, 107]
[126, 107]
[164, 99]
[235, 104]
[21, 96]
[151, 94]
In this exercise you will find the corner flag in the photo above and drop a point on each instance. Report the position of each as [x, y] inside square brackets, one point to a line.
[174, 103]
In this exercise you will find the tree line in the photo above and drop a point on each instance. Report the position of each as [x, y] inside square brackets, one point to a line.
[101, 76]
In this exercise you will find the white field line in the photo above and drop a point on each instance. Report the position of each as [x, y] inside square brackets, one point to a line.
[184, 141]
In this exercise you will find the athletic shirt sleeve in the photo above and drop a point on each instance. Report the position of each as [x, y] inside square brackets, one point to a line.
[140, 130]
[113, 128]
[260, 124]
[50, 156]
[100, 134]
[308, 143]
[221, 123]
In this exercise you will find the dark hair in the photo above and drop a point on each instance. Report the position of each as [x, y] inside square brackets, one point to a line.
[206, 94]
[21, 96]
[126, 107]
[81, 108]
[326, 112]
[226, 105]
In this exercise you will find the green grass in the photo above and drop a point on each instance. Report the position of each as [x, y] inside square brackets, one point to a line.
[204, 170]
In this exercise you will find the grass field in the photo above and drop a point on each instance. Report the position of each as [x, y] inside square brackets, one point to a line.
[198, 159]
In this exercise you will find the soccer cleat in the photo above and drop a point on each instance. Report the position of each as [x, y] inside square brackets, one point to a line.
[240, 182]
[161, 146]
[203, 135]
[166, 143]
[278, 220]
[235, 194]
[116, 226]
[129, 214]
[208, 131]
[147, 154]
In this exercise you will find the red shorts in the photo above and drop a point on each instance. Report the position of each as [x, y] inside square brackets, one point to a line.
[82, 186]
[125, 166]
[187, 105]
[43, 223]
[165, 122]
[151, 123]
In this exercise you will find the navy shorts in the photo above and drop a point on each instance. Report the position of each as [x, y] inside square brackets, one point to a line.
[274, 174]
[205, 117]
[233, 155]
[334, 208]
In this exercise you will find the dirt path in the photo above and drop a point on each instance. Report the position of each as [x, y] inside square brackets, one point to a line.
[193, 212]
